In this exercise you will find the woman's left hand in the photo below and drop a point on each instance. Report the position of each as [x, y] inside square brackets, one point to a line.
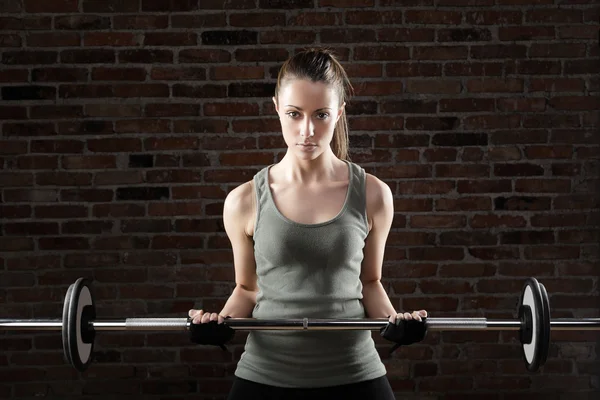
[416, 315]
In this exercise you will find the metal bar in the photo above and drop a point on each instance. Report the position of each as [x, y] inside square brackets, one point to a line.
[31, 324]
[568, 324]
[176, 324]
[161, 324]
[108, 325]
[459, 324]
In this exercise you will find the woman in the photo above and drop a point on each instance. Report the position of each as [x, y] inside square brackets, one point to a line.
[308, 237]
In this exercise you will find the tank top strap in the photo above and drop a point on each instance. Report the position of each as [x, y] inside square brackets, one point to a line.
[261, 193]
[357, 201]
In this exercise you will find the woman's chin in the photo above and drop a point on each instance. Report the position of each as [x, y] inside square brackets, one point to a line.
[304, 155]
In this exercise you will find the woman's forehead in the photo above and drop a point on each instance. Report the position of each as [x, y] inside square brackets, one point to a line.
[307, 91]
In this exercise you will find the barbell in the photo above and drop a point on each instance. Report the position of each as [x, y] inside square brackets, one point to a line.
[79, 324]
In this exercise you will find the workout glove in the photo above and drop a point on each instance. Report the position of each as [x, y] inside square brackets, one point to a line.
[211, 333]
[404, 332]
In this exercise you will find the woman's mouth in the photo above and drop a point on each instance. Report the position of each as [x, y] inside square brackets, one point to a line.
[307, 146]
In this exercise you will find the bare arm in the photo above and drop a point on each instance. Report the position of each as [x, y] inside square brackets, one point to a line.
[380, 212]
[238, 217]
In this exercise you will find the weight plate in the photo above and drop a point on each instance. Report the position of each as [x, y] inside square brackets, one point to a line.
[65, 325]
[532, 297]
[545, 327]
[80, 352]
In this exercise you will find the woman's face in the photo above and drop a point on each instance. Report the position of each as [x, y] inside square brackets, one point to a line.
[308, 112]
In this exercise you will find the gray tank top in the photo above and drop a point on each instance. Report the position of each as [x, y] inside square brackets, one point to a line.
[312, 271]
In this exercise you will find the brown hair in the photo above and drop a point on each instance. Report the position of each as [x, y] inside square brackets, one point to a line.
[321, 65]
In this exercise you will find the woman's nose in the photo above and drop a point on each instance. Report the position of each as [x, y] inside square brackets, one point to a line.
[307, 129]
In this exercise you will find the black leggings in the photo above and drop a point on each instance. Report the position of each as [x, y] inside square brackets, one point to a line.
[375, 389]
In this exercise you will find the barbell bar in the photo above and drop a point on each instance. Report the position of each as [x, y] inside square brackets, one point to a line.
[79, 324]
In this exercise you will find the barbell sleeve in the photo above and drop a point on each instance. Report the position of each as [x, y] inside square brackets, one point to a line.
[31, 324]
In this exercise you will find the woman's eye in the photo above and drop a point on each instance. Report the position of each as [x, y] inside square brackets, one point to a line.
[293, 114]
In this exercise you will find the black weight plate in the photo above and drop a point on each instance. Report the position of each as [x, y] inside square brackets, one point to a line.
[531, 296]
[81, 352]
[545, 326]
[65, 325]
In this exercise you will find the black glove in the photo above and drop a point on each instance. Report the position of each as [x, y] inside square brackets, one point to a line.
[404, 332]
[211, 333]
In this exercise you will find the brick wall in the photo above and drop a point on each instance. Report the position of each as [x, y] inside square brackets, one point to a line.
[126, 122]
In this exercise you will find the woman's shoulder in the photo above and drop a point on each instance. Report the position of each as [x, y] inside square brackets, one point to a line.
[240, 199]
[378, 192]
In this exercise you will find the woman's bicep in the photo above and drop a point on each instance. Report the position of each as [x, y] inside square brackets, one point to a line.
[237, 211]
[380, 211]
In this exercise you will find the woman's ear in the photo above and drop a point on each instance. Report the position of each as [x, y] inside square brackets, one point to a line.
[340, 111]
[276, 106]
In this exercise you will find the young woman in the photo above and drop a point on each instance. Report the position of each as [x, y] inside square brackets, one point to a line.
[308, 237]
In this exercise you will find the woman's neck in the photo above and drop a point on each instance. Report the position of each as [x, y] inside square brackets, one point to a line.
[323, 168]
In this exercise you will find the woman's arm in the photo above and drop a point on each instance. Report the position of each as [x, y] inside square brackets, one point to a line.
[238, 217]
[380, 213]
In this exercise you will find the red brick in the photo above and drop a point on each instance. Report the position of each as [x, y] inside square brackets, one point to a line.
[117, 74]
[17, 147]
[495, 253]
[266, 19]
[120, 243]
[63, 243]
[31, 228]
[404, 171]
[543, 185]
[171, 110]
[523, 32]
[378, 88]
[346, 3]
[54, 39]
[29, 57]
[12, 6]
[170, 39]
[16, 179]
[577, 32]
[441, 53]
[473, 69]
[287, 37]
[14, 75]
[179, 143]
[55, 6]
[230, 109]
[430, 303]
[140, 21]
[494, 17]
[465, 170]
[21, 374]
[433, 87]
[245, 159]
[552, 16]
[433, 17]
[89, 162]
[54, 112]
[492, 220]
[171, 209]
[575, 102]
[495, 85]
[463, 204]
[118, 178]
[114, 145]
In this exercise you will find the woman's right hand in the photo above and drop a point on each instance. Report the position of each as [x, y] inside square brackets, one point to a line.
[201, 317]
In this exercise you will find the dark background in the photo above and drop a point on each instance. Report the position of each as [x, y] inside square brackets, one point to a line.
[126, 122]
